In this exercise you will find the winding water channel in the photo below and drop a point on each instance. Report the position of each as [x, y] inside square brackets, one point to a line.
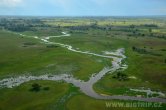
[85, 86]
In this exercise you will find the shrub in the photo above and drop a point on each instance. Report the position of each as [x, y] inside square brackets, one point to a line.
[35, 87]
[120, 76]
[46, 88]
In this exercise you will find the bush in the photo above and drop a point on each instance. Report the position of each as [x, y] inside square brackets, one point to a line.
[139, 50]
[35, 87]
[29, 43]
[120, 76]
[52, 46]
[46, 88]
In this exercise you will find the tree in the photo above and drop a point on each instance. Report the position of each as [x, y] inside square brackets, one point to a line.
[35, 87]
[120, 76]
[150, 30]
[133, 48]
[132, 26]
[46, 88]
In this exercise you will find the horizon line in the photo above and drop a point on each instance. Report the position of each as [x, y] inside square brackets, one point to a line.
[83, 15]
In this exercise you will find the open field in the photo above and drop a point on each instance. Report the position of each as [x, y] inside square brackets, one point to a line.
[21, 97]
[144, 41]
[93, 104]
[39, 59]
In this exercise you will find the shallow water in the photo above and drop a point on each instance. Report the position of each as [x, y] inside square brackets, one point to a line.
[85, 87]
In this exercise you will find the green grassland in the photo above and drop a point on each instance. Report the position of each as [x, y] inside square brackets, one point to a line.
[84, 102]
[149, 69]
[38, 59]
[21, 98]
[26, 55]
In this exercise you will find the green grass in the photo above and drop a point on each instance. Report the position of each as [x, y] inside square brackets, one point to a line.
[148, 69]
[21, 98]
[92, 43]
[38, 59]
[19, 56]
[43, 32]
[87, 103]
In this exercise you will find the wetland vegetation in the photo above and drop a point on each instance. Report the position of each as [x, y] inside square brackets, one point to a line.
[24, 51]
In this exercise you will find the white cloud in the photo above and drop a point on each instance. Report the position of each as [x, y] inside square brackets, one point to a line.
[10, 3]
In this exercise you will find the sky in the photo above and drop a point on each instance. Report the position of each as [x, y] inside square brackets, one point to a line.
[83, 7]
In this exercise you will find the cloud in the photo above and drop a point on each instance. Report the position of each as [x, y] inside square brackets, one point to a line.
[10, 3]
